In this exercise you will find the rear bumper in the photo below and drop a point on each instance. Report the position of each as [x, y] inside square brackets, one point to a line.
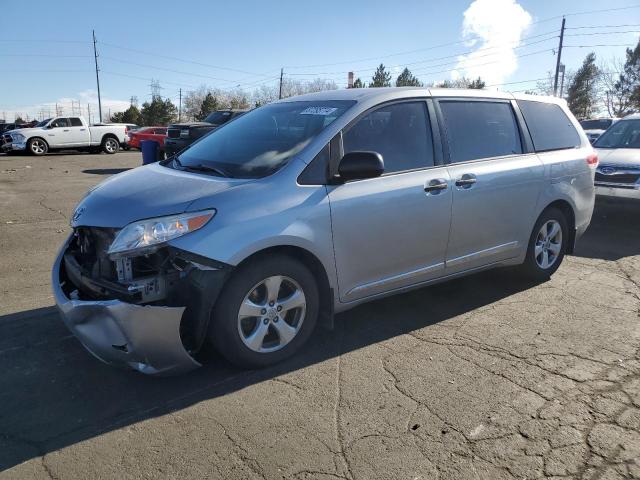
[145, 338]
[618, 192]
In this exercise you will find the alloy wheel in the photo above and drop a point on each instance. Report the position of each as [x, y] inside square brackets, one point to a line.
[38, 147]
[271, 314]
[110, 145]
[548, 244]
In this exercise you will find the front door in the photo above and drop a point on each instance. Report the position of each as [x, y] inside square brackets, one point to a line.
[391, 232]
[495, 185]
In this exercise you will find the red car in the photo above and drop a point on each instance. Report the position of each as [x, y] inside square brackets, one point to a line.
[157, 134]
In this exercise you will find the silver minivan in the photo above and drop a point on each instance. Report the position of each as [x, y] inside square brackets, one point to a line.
[312, 205]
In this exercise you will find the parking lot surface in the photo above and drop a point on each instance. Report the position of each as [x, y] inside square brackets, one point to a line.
[486, 377]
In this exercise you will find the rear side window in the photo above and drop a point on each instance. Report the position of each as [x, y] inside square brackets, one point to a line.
[75, 122]
[478, 130]
[549, 126]
[400, 132]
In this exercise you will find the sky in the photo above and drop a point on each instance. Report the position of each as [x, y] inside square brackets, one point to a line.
[46, 48]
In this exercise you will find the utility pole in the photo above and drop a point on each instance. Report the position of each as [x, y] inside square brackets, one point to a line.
[555, 80]
[281, 74]
[89, 111]
[95, 57]
[562, 70]
[180, 106]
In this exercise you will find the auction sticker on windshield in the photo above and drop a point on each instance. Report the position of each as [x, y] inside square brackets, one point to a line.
[318, 111]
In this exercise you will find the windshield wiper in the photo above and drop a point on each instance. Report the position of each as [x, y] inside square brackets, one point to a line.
[202, 168]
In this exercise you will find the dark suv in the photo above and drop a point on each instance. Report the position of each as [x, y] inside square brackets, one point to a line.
[181, 135]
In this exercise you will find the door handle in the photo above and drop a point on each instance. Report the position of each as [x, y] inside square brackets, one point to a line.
[65, 130]
[435, 185]
[83, 129]
[466, 181]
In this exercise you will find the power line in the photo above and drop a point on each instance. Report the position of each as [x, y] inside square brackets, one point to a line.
[587, 12]
[605, 26]
[155, 54]
[600, 45]
[423, 49]
[599, 33]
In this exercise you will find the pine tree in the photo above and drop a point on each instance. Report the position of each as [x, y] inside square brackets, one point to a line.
[477, 84]
[628, 85]
[582, 92]
[158, 112]
[407, 79]
[358, 83]
[130, 115]
[209, 104]
[381, 78]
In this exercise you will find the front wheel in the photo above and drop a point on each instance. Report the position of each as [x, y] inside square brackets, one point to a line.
[266, 312]
[37, 146]
[110, 145]
[547, 245]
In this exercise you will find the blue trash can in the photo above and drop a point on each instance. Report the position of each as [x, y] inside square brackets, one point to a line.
[149, 151]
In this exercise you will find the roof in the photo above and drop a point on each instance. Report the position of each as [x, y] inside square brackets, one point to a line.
[386, 93]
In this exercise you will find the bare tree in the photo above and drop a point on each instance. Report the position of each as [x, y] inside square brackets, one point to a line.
[616, 100]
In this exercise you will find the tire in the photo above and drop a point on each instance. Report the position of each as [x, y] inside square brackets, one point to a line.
[256, 341]
[37, 146]
[110, 145]
[547, 245]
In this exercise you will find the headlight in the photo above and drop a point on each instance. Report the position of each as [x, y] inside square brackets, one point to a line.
[184, 133]
[155, 231]
[17, 137]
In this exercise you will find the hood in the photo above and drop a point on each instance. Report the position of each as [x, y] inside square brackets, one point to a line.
[146, 192]
[26, 131]
[628, 157]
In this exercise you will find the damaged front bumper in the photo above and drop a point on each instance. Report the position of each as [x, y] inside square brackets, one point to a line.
[146, 338]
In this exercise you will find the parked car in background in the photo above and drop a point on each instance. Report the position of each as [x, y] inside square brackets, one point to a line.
[156, 134]
[7, 127]
[65, 133]
[181, 135]
[594, 127]
[618, 174]
[313, 205]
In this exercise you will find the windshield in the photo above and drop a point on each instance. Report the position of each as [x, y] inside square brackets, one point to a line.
[602, 124]
[218, 118]
[259, 142]
[43, 122]
[622, 134]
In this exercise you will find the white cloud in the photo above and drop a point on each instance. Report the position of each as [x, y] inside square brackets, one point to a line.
[497, 25]
[68, 106]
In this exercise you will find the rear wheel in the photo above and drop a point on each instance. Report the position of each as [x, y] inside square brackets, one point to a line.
[37, 146]
[547, 245]
[266, 312]
[110, 145]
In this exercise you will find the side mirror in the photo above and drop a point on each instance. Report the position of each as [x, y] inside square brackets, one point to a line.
[360, 165]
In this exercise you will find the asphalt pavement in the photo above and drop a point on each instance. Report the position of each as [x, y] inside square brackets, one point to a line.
[485, 377]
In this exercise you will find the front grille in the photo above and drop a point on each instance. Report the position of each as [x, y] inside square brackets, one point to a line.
[5, 139]
[616, 174]
[173, 133]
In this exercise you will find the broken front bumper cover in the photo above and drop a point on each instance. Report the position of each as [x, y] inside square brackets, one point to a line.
[145, 338]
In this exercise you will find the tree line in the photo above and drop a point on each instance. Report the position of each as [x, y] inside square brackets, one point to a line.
[614, 88]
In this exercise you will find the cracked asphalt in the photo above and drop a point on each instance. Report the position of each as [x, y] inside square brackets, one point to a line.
[486, 377]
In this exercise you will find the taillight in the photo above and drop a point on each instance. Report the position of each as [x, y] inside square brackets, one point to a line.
[592, 160]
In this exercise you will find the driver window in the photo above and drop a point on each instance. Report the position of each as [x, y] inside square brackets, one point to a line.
[60, 122]
[400, 132]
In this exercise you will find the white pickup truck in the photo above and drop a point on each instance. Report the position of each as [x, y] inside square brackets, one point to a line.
[62, 133]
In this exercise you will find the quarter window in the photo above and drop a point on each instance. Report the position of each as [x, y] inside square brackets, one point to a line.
[478, 130]
[400, 132]
[549, 126]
